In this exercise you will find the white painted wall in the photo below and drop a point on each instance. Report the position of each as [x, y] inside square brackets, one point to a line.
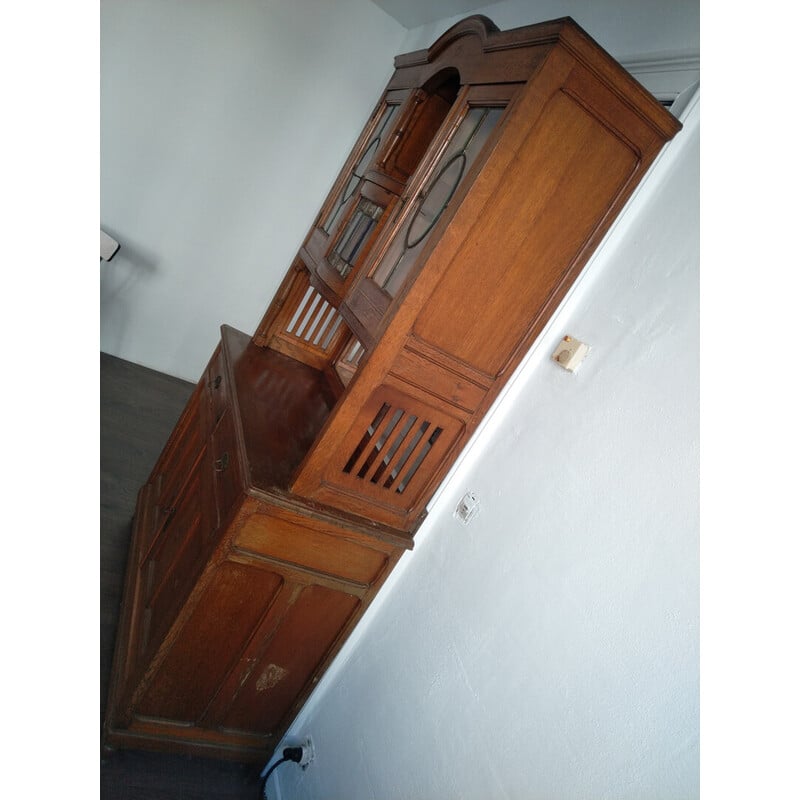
[223, 125]
[550, 648]
[658, 42]
[626, 28]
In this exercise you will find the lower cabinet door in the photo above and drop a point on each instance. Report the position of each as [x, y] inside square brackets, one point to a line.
[247, 652]
[280, 674]
[228, 486]
[210, 643]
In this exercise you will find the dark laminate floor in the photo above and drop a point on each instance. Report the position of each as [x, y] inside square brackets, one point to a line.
[138, 408]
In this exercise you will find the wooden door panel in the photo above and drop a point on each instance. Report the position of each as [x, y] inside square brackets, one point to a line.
[216, 382]
[211, 641]
[226, 467]
[311, 626]
[556, 191]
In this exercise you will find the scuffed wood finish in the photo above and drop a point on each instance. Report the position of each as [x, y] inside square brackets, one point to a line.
[306, 457]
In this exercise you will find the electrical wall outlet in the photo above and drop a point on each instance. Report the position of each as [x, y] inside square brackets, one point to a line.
[308, 752]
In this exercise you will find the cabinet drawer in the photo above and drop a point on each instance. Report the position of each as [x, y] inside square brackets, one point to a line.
[181, 453]
[225, 466]
[317, 550]
[216, 383]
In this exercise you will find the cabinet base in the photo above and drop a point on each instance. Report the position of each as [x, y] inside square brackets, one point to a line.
[184, 745]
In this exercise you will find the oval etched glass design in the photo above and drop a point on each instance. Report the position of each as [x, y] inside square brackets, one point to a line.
[348, 190]
[358, 172]
[436, 200]
[467, 141]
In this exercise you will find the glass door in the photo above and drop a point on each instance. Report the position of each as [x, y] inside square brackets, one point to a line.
[453, 161]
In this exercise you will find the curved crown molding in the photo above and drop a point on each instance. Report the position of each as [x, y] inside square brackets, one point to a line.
[476, 25]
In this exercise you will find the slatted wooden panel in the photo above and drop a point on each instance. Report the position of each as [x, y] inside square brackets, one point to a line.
[390, 455]
[309, 328]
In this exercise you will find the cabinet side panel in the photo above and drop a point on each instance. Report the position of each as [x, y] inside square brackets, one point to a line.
[556, 191]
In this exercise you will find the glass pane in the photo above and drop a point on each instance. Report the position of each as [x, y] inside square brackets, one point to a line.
[369, 154]
[355, 235]
[436, 201]
[435, 196]
[466, 130]
[358, 171]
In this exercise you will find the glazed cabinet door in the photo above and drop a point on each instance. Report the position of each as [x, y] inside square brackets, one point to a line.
[377, 132]
[454, 158]
[366, 198]
[249, 645]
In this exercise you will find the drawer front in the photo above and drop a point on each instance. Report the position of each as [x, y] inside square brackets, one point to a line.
[181, 453]
[225, 467]
[300, 545]
[216, 383]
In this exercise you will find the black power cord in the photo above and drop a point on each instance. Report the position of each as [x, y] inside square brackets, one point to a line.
[289, 754]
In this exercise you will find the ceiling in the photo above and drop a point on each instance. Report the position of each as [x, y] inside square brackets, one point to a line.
[411, 13]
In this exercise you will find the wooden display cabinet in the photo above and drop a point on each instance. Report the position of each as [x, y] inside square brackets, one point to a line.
[488, 173]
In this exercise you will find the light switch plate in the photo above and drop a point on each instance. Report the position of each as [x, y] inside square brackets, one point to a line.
[570, 353]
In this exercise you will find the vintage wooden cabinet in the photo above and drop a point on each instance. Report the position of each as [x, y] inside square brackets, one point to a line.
[295, 479]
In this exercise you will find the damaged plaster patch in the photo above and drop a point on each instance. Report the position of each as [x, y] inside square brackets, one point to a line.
[271, 677]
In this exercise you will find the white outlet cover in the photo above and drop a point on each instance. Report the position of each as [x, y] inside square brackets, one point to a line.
[308, 753]
[468, 506]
